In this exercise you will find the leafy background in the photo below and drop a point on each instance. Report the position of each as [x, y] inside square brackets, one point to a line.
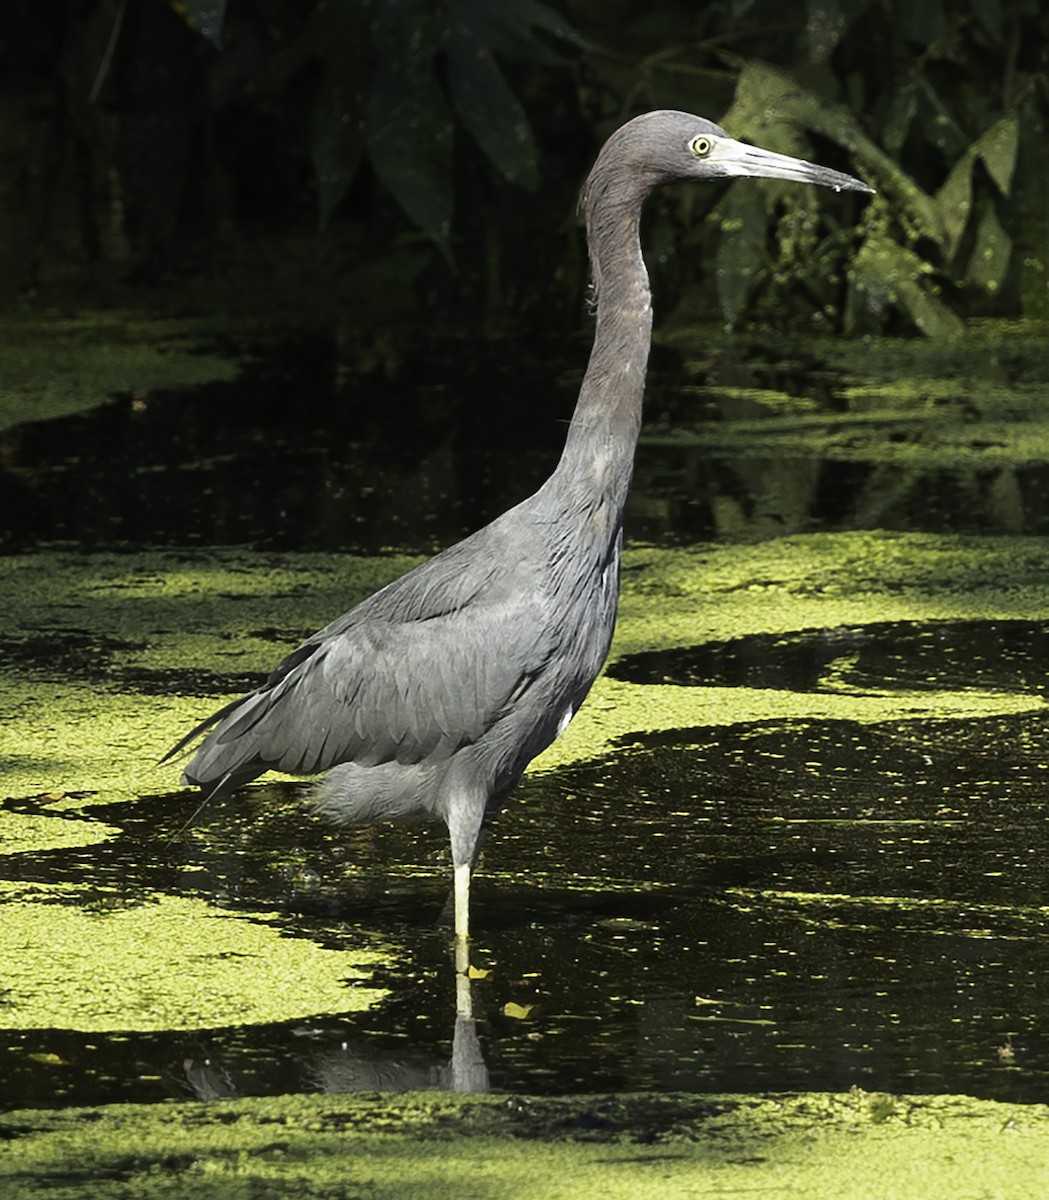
[418, 161]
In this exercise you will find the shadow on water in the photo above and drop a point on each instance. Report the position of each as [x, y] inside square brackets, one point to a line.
[763, 906]
[781, 905]
[879, 657]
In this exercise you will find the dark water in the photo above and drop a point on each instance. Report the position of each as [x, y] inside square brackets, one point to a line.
[308, 452]
[778, 905]
[874, 659]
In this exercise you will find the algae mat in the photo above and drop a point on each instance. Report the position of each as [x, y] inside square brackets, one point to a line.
[847, 1146]
[762, 824]
[111, 658]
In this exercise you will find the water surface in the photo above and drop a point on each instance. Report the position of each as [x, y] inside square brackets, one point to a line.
[732, 904]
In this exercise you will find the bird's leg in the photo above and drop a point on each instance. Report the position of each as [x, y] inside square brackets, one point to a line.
[465, 815]
[462, 917]
[463, 997]
[464, 1001]
[469, 1072]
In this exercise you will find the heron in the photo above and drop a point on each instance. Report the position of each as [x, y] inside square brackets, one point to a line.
[430, 698]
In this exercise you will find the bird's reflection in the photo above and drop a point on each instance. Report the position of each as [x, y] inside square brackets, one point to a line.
[208, 1079]
[359, 1068]
[362, 1065]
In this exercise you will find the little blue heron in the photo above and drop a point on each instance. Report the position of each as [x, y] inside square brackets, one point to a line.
[431, 697]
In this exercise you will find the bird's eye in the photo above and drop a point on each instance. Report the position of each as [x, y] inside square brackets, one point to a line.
[701, 146]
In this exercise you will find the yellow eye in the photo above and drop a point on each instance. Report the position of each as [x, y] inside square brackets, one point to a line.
[701, 146]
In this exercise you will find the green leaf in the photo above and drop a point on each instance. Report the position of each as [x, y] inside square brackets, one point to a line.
[490, 110]
[769, 106]
[997, 148]
[337, 142]
[409, 126]
[899, 117]
[991, 253]
[954, 201]
[885, 273]
[339, 35]
[740, 259]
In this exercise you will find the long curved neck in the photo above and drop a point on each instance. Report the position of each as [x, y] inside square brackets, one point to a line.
[599, 451]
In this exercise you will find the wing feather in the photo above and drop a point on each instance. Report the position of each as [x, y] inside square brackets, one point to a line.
[401, 686]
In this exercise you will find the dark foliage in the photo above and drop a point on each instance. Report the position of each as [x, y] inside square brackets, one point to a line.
[428, 152]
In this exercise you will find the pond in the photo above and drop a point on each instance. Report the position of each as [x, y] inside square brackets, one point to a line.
[796, 839]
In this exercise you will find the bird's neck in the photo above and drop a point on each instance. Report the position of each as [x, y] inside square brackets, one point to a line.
[599, 449]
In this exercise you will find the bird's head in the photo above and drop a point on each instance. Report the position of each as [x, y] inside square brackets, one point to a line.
[664, 146]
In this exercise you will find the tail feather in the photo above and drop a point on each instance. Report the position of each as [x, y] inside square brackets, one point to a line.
[184, 743]
[213, 769]
[226, 784]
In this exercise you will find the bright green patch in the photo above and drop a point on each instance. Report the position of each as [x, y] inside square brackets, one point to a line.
[934, 916]
[923, 441]
[765, 401]
[615, 710]
[976, 403]
[174, 634]
[55, 365]
[853, 1147]
[159, 626]
[77, 737]
[22, 833]
[173, 963]
[822, 581]
[692, 596]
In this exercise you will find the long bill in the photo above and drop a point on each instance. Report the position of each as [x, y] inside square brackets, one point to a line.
[737, 159]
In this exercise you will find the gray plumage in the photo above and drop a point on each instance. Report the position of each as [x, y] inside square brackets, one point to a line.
[432, 696]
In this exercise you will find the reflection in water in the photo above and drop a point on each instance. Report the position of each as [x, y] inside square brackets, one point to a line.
[208, 1079]
[772, 905]
[784, 905]
[765, 906]
[362, 1064]
[769, 439]
[1002, 656]
[361, 1068]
